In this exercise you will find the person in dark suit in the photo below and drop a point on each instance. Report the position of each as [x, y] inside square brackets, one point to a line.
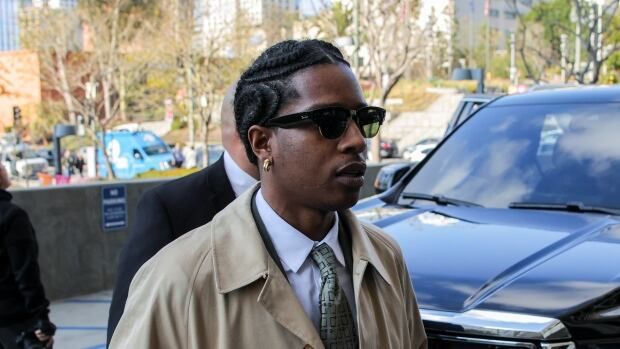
[172, 209]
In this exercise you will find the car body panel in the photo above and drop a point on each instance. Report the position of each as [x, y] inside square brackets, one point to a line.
[531, 262]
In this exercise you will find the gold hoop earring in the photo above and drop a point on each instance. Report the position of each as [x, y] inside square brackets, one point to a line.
[267, 165]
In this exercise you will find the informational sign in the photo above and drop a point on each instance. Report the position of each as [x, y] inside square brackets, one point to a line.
[114, 207]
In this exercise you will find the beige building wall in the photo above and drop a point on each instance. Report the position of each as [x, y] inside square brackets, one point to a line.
[20, 85]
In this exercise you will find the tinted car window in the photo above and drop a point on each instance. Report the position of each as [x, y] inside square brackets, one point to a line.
[544, 153]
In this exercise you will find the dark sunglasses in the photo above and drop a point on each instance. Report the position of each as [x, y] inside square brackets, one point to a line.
[333, 121]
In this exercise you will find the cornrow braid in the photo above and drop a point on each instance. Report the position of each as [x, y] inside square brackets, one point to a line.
[266, 85]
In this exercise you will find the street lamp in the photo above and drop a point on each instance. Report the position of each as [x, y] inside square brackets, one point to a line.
[60, 130]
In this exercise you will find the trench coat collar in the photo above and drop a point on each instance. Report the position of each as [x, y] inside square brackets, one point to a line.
[362, 247]
[240, 256]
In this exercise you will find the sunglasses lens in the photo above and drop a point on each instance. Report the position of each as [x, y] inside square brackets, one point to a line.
[370, 130]
[370, 121]
[333, 122]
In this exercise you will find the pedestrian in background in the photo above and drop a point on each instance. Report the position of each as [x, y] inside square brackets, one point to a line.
[177, 155]
[79, 164]
[190, 156]
[23, 307]
[287, 264]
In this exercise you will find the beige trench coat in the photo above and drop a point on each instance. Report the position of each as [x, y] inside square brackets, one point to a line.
[218, 287]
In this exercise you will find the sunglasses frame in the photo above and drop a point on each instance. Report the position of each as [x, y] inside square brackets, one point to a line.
[316, 116]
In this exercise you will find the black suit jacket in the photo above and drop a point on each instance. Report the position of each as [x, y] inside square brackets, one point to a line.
[164, 213]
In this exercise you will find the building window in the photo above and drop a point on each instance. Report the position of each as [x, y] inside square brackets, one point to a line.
[493, 12]
[510, 14]
[526, 2]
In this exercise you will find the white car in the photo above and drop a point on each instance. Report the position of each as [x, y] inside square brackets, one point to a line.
[24, 163]
[419, 153]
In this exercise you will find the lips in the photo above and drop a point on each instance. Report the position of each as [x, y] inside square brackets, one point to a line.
[352, 175]
[354, 169]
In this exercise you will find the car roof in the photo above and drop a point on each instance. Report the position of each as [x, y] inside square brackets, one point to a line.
[576, 95]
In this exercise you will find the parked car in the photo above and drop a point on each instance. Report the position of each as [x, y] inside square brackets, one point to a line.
[47, 154]
[21, 161]
[388, 149]
[132, 153]
[509, 246]
[417, 152]
[468, 105]
[388, 175]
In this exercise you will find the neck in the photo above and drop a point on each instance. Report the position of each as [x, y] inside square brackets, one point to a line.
[313, 223]
[240, 159]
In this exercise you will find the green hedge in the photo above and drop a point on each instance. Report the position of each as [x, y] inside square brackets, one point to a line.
[175, 172]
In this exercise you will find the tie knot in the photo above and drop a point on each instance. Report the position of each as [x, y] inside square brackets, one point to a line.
[325, 259]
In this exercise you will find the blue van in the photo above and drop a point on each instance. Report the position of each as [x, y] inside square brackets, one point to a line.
[132, 153]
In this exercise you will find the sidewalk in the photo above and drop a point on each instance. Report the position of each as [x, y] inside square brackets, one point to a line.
[410, 127]
[81, 321]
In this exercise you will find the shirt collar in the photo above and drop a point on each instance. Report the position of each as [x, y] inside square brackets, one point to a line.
[292, 246]
[240, 181]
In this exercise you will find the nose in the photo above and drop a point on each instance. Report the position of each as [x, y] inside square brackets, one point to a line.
[352, 141]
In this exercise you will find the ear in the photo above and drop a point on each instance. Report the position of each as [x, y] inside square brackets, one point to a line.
[260, 140]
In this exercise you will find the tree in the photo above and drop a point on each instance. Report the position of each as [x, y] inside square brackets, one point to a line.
[53, 34]
[114, 29]
[203, 60]
[591, 27]
[393, 42]
[330, 21]
[601, 36]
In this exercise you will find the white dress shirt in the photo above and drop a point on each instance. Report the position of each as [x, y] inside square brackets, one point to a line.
[293, 248]
[238, 178]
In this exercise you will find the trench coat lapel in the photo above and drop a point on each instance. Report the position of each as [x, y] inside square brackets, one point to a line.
[278, 299]
[240, 258]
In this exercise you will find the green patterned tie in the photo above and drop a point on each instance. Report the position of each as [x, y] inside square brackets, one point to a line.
[337, 326]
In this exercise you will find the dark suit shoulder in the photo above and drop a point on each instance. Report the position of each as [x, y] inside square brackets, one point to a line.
[184, 184]
[193, 200]
[212, 179]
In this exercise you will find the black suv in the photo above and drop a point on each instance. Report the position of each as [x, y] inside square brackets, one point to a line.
[510, 228]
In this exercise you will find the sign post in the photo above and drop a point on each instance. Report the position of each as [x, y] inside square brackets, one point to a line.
[114, 207]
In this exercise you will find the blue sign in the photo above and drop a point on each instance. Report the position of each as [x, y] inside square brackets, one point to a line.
[114, 207]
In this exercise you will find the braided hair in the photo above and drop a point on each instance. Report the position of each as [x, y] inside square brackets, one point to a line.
[266, 85]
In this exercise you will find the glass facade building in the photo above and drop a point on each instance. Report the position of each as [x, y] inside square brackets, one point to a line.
[9, 25]
[9, 18]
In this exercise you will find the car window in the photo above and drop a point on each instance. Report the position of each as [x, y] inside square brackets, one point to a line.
[27, 154]
[466, 111]
[545, 153]
[475, 106]
[154, 149]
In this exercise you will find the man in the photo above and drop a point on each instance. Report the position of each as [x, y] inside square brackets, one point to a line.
[286, 265]
[170, 210]
[24, 308]
[177, 156]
